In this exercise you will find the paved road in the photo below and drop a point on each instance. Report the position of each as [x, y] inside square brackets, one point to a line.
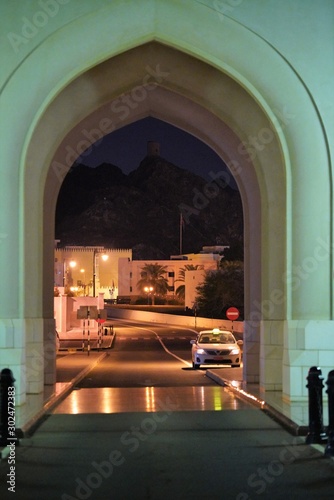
[148, 356]
[146, 365]
[192, 440]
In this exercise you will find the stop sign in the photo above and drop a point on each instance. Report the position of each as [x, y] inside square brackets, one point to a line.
[232, 313]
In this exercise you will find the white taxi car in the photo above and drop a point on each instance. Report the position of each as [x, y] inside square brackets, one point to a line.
[215, 347]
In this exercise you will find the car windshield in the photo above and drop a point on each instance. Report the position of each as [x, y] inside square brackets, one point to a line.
[221, 338]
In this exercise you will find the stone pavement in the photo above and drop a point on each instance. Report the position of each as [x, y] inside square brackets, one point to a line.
[179, 455]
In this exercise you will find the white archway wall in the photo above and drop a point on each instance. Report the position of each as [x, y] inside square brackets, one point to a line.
[155, 103]
[179, 111]
[184, 113]
[229, 47]
[250, 73]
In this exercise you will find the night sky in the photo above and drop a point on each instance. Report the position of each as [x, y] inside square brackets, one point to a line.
[127, 147]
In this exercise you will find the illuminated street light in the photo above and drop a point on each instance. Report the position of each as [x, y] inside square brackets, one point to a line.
[104, 257]
[148, 290]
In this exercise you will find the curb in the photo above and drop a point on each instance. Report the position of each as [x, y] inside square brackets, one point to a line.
[287, 423]
[30, 427]
[49, 404]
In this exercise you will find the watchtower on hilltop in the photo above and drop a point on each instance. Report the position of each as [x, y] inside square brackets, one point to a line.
[153, 148]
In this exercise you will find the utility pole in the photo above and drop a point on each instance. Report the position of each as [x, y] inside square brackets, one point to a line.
[181, 231]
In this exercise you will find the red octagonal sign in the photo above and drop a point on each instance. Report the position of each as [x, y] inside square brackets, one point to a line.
[232, 313]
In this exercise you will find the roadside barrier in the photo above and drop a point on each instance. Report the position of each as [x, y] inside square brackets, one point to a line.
[329, 450]
[317, 433]
[7, 408]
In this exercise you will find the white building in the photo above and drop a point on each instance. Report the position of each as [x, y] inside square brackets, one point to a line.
[130, 274]
[193, 278]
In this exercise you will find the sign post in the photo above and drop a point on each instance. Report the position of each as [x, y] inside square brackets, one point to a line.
[87, 312]
[232, 314]
[102, 316]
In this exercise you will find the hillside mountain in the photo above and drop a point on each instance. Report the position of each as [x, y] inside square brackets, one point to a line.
[103, 206]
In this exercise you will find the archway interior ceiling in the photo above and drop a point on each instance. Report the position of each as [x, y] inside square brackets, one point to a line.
[143, 82]
[156, 80]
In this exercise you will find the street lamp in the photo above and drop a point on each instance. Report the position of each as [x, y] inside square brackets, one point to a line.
[95, 259]
[148, 290]
[71, 264]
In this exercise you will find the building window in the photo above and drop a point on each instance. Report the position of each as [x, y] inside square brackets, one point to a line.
[171, 274]
[130, 288]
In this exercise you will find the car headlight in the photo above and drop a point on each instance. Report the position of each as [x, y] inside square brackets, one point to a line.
[200, 351]
[234, 351]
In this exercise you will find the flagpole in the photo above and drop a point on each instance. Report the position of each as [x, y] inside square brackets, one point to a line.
[181, 224]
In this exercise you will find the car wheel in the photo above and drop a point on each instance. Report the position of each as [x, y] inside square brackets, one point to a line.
[195, 366]
[235, 366]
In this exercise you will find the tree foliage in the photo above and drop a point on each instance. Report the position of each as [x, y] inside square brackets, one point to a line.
[153, 275]
[221, 289]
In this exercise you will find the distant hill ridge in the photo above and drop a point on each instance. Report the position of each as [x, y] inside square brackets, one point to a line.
[104, 206]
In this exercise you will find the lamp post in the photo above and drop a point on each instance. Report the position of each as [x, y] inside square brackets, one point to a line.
[148, 290]
[95, 259]
[71, 264]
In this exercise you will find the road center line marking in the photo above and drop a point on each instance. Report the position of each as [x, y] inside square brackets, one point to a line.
[164, 347]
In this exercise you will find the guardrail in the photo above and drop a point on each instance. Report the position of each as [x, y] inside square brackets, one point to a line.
[171, 319]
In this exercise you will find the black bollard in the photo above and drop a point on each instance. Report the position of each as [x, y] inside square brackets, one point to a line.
[7, 408]
[316, 432]
[329, 450]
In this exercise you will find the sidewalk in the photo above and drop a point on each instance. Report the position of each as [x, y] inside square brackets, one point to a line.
[71, 368]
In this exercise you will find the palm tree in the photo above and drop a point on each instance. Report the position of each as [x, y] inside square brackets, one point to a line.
[181, 289]
[153, 275]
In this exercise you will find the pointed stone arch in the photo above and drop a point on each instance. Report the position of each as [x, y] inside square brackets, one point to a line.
[151, 87]
[223, 84]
